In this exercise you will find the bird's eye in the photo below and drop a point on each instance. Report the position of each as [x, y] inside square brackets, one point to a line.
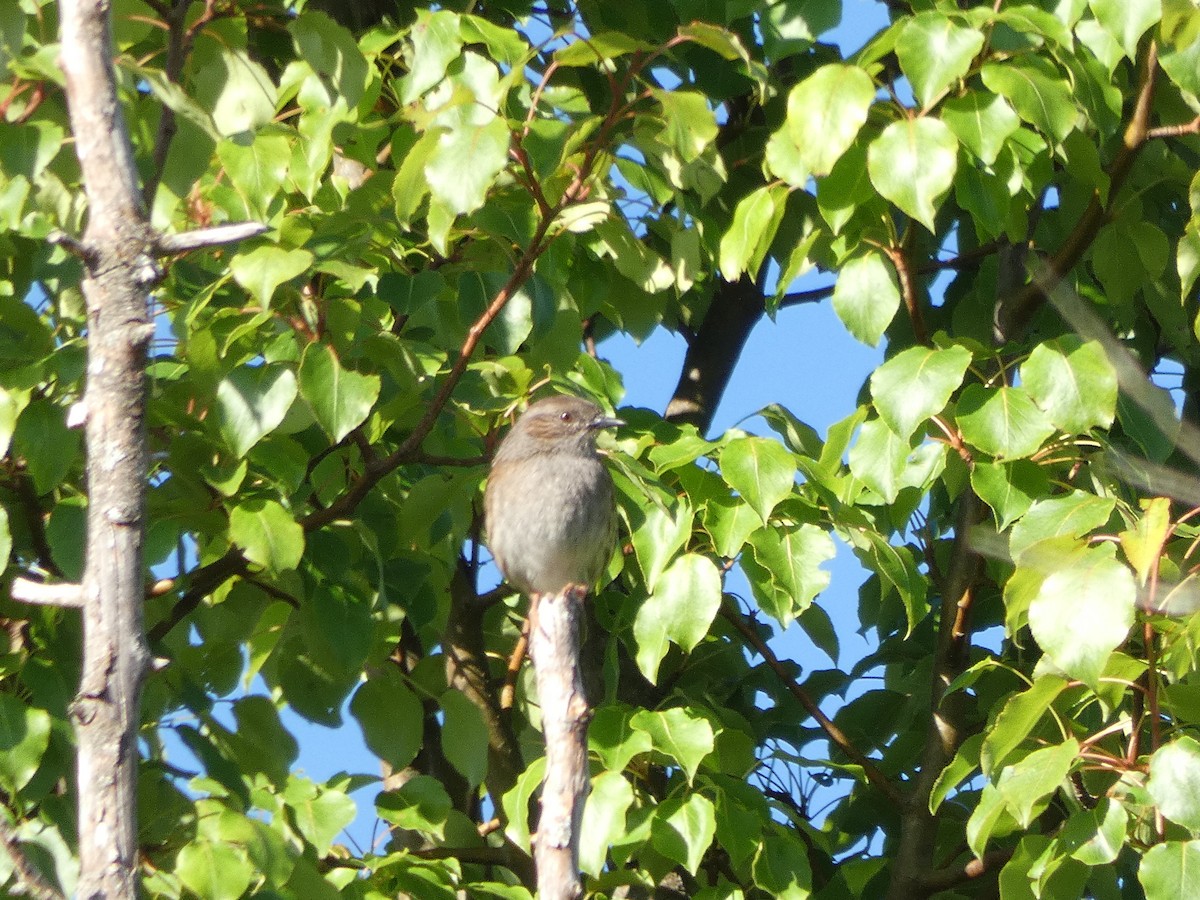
[565, 417]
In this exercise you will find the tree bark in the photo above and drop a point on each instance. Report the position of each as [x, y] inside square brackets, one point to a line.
[554, 647]
[117, 247]
[713, 353]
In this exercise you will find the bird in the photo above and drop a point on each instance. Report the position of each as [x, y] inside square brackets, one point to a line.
[549, 512]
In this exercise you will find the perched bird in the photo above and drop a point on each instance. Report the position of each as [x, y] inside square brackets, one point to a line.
[549, 510]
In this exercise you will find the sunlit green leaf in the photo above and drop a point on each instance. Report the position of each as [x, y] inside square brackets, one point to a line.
[1003, 422]
[825, 112]
[680, 609]
[1175, 781]
[935, 51]
[866, 297]
[784, 568]
[267, 534]
[340, 398]
[1073, 383]
[913, 164]
[1097, 590]
[759, 469]
[916, 384]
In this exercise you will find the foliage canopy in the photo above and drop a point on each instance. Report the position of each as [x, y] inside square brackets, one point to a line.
[461, 202]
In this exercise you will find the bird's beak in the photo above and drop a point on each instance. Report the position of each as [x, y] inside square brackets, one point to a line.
[605, 422]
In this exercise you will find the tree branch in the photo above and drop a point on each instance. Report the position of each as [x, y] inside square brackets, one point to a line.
[713, 352]
[1014, 315]
[914, 854]
[949, 878]
[106, 711]
[217, 236]
[554, 646]
[908, 289]
[30, 880]
[835, 734]
[42, 594]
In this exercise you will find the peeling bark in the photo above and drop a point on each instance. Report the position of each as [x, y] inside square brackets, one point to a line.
[119, 270]
[554, 646]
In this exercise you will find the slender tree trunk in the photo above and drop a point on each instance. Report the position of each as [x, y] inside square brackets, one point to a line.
[116, 248]
[554, 646]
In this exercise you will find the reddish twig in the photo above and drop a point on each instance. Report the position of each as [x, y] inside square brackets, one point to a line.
[835, 734]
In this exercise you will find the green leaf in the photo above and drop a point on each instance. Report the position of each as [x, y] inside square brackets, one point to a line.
[761, 470]
[866, 296]
[341, 399]
[1072, 515]
[263, 269]
[689, 125]
[1038, 92]
[603, 820]
[1127, 20]
[1171, 870]
[320, 813]
[657, 534]
[934, 52]
[251, 403]
[680, 610]
[410, 186]
[43, 424]
[236, 91]
[916, 384]
[24, 737]
[1025, 783]
[464, 736]
[267, 533]
[897, 569]
[257, 165]
[1003, 422]
[1097, 590]
[825, 113]
[1175, 781]
[912, 164]
[683, 829]
[5, 540]
[391, 718]
[613, 738]
[879, 459]
[1073, 383]
[982, 122]
[214, 871]
[784, 568]
[781, 867]
[420, 804]
[434, 41]
[465, 164]
[679, 734]
[1096, 836]
[1143, 543]
[966, 761]
[755, 221]
[11, 404]
[1010, 489]
[1021, 713]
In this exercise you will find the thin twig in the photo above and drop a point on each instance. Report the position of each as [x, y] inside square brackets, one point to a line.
[29, 878]
[40, 593]
[1166, 131]
[835, 734]
[217, 236]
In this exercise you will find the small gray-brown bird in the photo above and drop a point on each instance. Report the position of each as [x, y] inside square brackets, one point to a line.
[550, 516]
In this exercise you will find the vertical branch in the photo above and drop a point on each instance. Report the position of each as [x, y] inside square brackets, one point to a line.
[116, 245]
[913, 859]
[554, 646]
